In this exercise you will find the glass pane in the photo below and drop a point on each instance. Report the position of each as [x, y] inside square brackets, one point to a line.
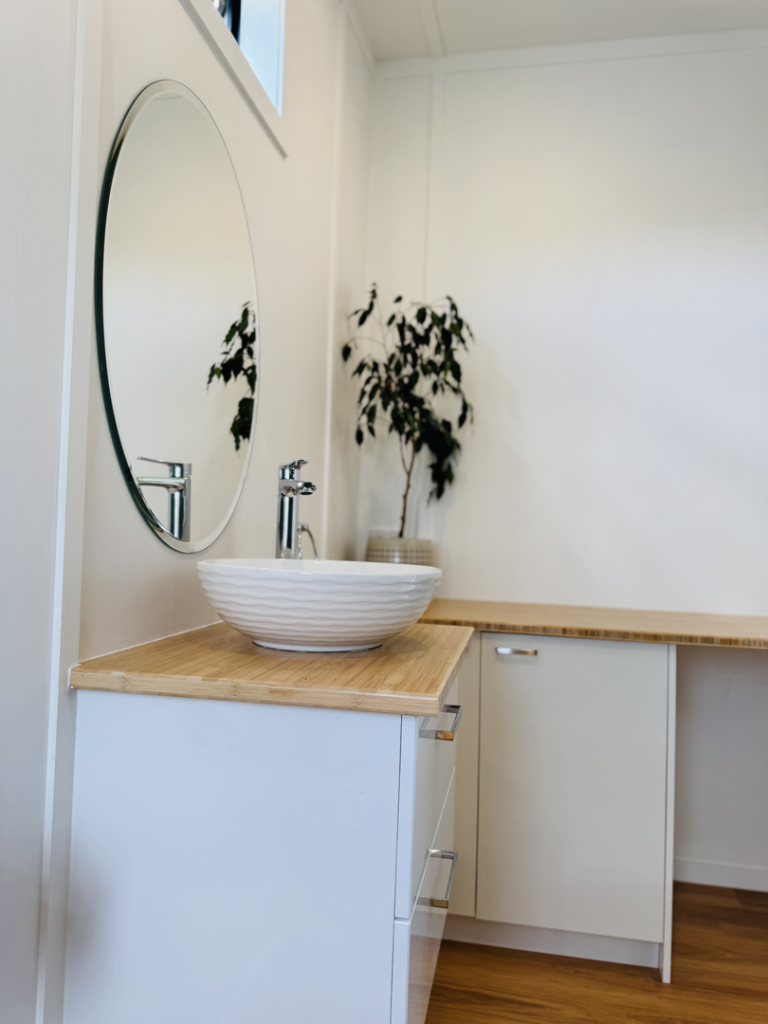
[261, 40]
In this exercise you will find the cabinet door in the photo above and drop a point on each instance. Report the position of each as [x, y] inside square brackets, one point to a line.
[572, 809]
[231, 863]
[467, 768]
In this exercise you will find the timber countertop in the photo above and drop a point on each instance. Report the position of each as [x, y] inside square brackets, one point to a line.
[602, 623]
[407, 675]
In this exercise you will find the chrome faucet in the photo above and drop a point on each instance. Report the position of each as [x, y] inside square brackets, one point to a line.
[178, 483]
[290, 487]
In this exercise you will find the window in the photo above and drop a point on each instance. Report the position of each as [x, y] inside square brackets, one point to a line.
[258, 27]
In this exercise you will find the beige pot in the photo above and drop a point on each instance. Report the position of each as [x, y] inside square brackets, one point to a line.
[403, 550]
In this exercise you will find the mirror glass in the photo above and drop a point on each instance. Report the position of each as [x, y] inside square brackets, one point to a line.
[176, 317]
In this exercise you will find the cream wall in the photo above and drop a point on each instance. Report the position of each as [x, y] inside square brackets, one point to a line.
[601, 216]
[301, 212]
[348, 278]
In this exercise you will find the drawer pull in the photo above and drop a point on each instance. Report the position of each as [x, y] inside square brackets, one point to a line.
[441, 901]
[443, 734]
[529, 652]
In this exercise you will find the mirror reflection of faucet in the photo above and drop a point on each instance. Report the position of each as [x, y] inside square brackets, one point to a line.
[289, 530]
[178, 483]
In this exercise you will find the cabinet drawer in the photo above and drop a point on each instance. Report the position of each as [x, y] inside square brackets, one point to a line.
[417, 940]
[573, 765]
[426, 767]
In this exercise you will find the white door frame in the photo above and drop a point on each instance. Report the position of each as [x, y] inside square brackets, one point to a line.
[85, 183]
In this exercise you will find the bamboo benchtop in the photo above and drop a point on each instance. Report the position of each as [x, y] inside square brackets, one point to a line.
[407, 675]
[602, 623]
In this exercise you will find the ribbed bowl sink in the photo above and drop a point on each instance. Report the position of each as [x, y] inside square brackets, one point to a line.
[317, 606]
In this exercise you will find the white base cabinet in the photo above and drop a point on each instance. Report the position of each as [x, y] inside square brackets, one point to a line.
[575, 794]
[234, 863]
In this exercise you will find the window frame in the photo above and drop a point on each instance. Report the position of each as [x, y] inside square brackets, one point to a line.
[219, 37]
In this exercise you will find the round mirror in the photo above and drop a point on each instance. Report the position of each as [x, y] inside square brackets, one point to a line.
[176, 317]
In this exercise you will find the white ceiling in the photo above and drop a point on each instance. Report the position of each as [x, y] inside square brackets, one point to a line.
[423, 28]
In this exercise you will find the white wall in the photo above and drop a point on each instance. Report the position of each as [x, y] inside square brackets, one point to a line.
[601, 217]
[35, 128]
[134, 588]
[341, 485]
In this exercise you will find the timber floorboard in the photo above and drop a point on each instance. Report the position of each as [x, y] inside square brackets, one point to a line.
[719, 975]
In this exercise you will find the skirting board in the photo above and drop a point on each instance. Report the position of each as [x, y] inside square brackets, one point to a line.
[724, 876]
[557, 943]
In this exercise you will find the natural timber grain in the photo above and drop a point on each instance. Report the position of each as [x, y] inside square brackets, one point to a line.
[719, 975]
[405, 676]
[602, 623]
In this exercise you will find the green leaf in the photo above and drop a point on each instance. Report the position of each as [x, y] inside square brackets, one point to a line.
[239, 362]
[241, 424]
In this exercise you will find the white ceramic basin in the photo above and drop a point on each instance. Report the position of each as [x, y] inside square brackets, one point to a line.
[317, 606]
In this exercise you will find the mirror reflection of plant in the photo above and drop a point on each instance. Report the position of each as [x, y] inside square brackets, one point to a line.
[418, 364]
[239, 361]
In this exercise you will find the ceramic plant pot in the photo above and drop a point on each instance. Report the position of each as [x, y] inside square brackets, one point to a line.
[403, 550]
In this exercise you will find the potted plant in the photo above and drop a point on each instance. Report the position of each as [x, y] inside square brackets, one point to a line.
[410, 379]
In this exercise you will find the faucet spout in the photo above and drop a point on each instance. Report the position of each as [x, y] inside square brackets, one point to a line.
[178, 484]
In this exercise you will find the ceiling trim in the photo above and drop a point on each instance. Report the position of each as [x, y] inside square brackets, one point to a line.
[430, 21]
[360, 34]
[576, 53]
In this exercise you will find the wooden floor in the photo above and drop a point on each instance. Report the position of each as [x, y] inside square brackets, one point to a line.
[719, 975]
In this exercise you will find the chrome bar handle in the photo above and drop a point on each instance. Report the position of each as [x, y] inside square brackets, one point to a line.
[441, 901]
[529, 652]
[443, 734]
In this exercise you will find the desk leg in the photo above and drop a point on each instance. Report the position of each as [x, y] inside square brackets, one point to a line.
[665, 949]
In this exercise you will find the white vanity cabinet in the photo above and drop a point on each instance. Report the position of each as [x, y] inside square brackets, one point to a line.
[240, 862]
[573, 813]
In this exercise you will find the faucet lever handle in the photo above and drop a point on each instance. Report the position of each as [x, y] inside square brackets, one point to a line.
[291, 470]
[174, 468]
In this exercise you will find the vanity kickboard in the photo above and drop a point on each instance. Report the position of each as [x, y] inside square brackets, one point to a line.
[407, 675]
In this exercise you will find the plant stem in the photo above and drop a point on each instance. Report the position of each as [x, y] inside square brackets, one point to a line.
[408, 474]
